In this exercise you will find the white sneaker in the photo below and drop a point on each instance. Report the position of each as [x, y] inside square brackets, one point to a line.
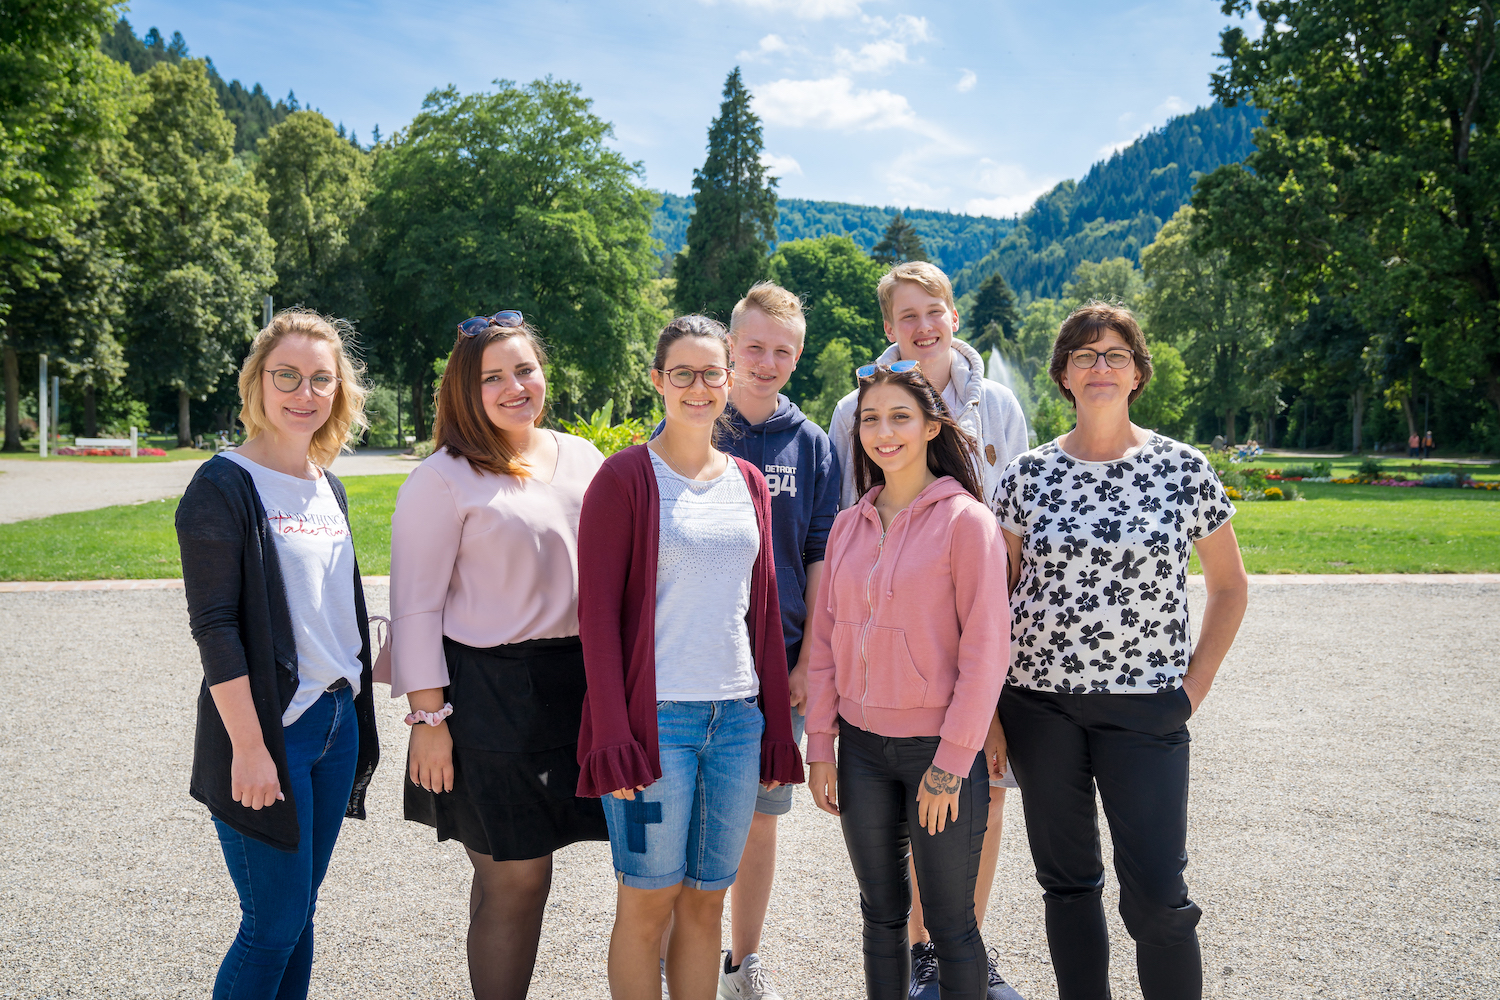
[748, 982]
[664, 994]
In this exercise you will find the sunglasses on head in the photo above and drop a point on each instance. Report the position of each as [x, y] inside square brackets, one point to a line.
[475, 325]
[895, 367]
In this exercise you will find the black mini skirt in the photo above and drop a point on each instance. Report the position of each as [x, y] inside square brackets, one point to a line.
[516, 711]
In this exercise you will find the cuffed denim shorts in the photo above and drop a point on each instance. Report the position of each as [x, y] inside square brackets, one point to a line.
[778, 800]
[690, 825]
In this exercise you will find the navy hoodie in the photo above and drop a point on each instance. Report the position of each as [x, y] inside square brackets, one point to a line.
[802, 471]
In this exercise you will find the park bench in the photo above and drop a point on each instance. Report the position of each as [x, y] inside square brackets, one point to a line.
[131, 442]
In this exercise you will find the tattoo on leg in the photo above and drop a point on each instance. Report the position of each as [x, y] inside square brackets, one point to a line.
[939, 782]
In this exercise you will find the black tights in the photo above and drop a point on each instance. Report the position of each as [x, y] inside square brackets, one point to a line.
[506, 905]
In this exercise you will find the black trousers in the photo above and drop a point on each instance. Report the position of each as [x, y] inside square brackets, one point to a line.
[878, 781]
[1135, 749]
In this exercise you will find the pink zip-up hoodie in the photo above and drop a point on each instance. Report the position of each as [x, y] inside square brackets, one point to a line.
[911, 627]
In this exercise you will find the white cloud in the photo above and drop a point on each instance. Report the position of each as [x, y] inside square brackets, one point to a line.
[872, 57]
[1172, 107]
[808, 10]
[834, 103]
[1110, 149]
[780, 166]
[770, 45]
[966, 82]
[904, 27]
[1009, 189]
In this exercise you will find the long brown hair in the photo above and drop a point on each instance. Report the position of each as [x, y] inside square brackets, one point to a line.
[951, 453]
[461, 424]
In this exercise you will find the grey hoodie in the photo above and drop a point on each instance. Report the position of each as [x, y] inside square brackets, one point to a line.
[988, 412]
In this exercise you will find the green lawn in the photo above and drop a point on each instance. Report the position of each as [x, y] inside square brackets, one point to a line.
[1411, 467]
[1371, 529]
[1338, 529]
[138, 541]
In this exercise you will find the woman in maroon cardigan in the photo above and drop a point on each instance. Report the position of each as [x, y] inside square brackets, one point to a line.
[687, 705]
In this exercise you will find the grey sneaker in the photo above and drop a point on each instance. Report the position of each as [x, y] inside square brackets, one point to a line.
[924, 971]
[999, 989]
[748, 982]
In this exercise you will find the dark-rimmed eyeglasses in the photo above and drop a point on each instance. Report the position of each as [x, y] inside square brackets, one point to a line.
[1116, 358]
[895, 367]
[475, 325]
[683, 377]
[287, 380]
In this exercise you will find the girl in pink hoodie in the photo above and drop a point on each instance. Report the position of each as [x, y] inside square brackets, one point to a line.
[911, 632]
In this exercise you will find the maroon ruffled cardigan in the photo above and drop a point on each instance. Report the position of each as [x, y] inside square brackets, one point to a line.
[617, 546]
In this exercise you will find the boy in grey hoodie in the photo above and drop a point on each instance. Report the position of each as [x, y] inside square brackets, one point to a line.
[916, 301]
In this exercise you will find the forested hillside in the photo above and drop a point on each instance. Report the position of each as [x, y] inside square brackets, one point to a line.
[952, 241]
[250, 110]
[1118, 207]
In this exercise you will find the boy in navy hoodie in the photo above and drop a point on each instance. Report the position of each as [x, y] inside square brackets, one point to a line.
[766, 332]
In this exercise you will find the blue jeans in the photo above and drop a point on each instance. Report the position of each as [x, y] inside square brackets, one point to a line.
[273, 951]
[689, 826]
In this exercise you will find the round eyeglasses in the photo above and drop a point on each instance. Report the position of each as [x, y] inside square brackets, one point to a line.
[475, 325]
[287, 380]
[1117, 358]
[683, 377]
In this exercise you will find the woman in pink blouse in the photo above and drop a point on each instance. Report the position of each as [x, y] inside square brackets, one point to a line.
[484, 608]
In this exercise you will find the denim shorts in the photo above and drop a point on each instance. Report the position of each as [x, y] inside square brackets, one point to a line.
[778, 801]
[689, 826]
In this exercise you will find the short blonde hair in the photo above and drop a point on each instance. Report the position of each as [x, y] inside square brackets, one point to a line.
[929, 277]
[347, 419]
[777, 303]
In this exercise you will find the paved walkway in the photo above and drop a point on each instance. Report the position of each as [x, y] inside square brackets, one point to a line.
[58, 486]
[1344, 823]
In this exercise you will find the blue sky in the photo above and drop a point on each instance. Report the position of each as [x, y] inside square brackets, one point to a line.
[965, 106]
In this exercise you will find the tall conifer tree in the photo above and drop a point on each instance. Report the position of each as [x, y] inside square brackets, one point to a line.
[734, 222]
[899, 244]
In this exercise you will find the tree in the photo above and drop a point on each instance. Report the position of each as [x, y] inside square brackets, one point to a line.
[316, 185]
[995, 315]
[513, 200]
[1218, 322]
[899, 244]
[734, 218]
[62, 106]
[835, 374]
[1373, 181]
[1116, 280]
[200, 255]
[836, 283]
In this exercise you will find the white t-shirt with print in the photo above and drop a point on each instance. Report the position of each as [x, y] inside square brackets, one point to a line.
[317, 566]
[1101, 605]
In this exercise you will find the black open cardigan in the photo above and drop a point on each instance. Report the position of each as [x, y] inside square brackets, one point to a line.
[237, 608]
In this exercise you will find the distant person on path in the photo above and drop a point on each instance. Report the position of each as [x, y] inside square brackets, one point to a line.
[286, 741]
[1104, 674]
[484, 639]
[688, 712]
[1413, 445]
[1427, 446]
[916, 301]
[910, 639]
[767, 331]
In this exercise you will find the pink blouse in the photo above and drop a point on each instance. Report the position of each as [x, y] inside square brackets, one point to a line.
[483, 559]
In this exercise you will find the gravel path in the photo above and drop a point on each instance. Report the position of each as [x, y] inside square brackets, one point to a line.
[38, 488]
[1343, 828]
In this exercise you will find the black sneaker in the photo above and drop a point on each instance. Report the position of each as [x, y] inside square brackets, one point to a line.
[924, 971]
[999, 989]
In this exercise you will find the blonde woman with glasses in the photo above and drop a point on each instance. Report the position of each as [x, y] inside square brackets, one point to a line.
[286, 742]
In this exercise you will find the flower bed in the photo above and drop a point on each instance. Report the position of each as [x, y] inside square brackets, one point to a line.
[109, 452]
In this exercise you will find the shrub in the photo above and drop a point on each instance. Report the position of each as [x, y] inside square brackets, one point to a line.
[422, 448]
[1316, 471]
[1447, 480]
[608, 439]
[1370, 468]
[1273, 493]
[1241, 482]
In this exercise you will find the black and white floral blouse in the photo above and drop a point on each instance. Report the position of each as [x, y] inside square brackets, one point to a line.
[1101, 606]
